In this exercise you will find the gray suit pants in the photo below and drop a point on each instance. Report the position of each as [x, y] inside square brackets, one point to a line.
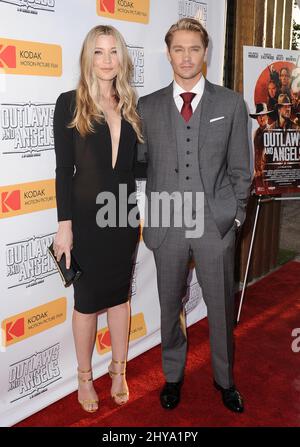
[214, 263]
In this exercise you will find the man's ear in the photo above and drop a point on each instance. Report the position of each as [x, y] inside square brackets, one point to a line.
[205, 55]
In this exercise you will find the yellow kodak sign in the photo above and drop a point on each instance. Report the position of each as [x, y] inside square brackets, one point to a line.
[129, 10]
[137, 330]
[26, 198]
[23, 57]
[31, 322]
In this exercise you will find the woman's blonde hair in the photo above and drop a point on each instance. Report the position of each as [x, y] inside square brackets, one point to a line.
[87, 108]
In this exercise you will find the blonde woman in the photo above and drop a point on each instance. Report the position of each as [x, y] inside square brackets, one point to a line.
[96, 128]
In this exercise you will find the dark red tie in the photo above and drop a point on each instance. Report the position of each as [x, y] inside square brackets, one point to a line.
[187, 110]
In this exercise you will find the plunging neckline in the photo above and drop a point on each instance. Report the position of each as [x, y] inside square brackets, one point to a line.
[113, 167]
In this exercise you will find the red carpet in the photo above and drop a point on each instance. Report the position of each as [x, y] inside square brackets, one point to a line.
[266, 371]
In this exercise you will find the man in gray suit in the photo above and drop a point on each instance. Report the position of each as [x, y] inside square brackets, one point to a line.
[196, 141]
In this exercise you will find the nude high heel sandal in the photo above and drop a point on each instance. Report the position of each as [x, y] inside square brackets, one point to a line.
[122, 397]
[87, 403]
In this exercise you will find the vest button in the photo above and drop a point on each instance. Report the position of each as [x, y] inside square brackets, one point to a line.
[188, 127]
[176, 170]
[188, 140]
[188, 152]
[187, 165]
[187, 178]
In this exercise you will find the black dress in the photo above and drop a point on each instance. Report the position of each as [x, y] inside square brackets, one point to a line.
[83, 170]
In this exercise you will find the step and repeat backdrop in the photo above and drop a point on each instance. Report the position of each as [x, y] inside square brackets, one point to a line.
[40, 43]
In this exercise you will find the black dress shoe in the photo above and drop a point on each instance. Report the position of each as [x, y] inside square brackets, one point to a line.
[231, 398]
[170, 395]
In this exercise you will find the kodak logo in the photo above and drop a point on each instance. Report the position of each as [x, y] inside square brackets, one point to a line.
[8, 56]
[10, 201]
[107, 6]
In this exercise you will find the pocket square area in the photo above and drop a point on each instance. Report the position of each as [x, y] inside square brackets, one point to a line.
[216, 119]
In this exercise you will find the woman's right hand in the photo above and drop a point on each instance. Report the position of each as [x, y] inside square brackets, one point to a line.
[63, 241]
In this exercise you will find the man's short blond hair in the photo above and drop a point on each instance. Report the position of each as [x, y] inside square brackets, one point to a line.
[187, 24]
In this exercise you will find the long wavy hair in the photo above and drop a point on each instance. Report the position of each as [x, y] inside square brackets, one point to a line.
[87, 109]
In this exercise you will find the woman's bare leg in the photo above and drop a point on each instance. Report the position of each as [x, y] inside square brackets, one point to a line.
[84, 332]
[118, 318]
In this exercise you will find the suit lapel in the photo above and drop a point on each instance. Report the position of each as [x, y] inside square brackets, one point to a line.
[167, 116]
[206, 112]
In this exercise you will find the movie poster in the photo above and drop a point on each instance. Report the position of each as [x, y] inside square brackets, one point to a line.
[272, 92]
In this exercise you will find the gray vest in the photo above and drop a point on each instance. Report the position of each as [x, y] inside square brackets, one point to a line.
[187, 138]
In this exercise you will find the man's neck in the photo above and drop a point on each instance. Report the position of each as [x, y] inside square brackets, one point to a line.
[187, 84]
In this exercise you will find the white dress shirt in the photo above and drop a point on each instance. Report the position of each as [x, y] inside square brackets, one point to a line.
[198, 89]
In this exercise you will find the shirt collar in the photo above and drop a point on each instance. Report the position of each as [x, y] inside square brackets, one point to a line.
[198, 88]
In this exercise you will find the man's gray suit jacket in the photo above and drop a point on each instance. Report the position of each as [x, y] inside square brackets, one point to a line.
[224, 155]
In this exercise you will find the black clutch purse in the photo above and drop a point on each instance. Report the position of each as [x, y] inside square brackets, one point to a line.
[70, 275]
